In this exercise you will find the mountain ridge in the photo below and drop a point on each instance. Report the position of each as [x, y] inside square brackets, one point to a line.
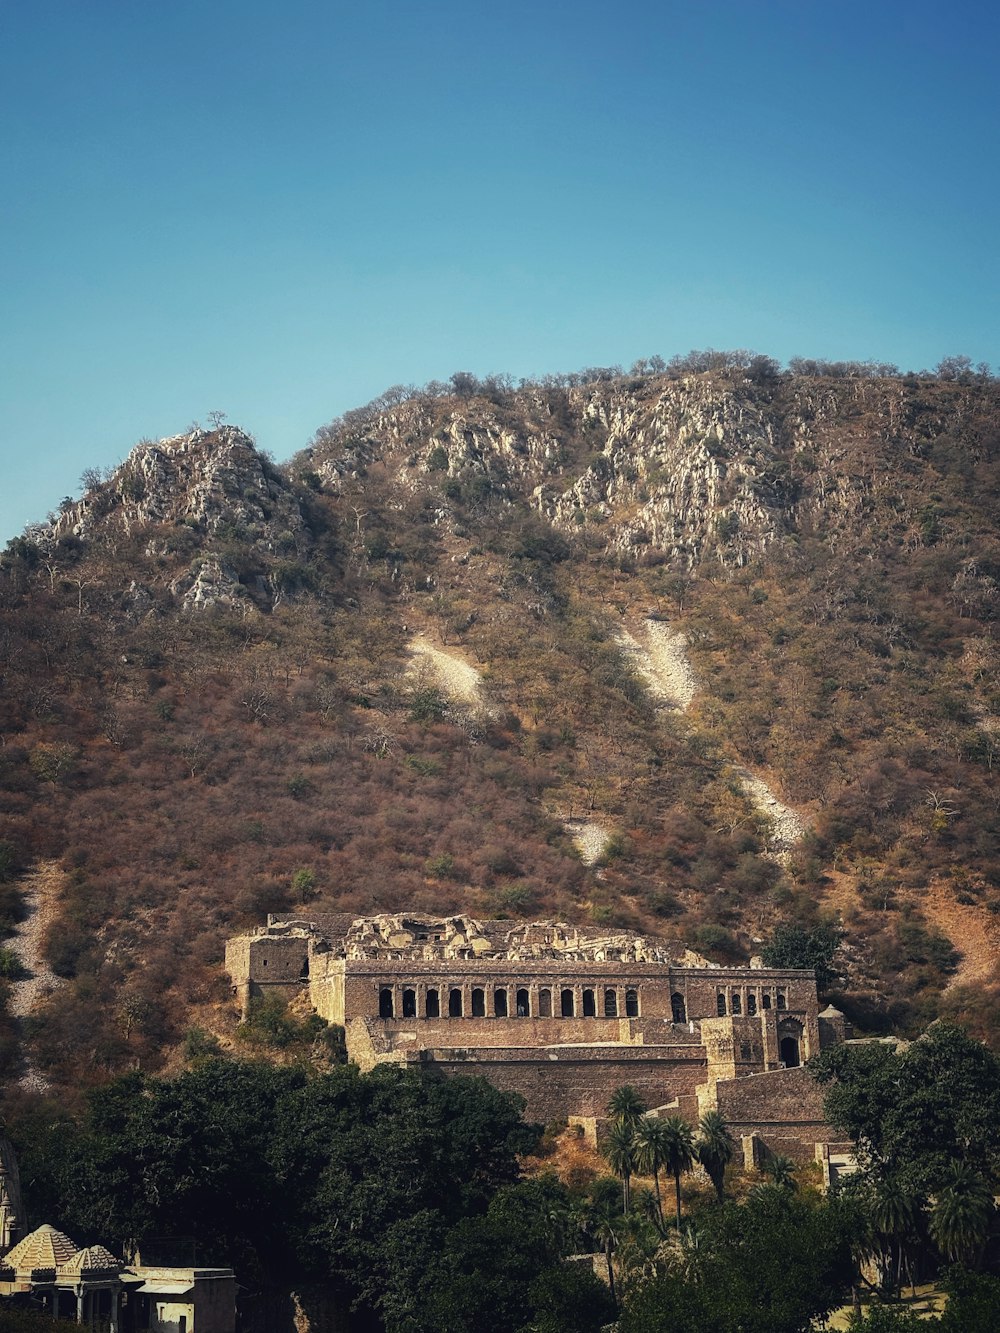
[212, 708]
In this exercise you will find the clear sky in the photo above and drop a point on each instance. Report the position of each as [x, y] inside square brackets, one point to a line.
[278, 209]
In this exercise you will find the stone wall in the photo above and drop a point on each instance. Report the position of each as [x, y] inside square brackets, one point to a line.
[784, 1107]
[582, 1078]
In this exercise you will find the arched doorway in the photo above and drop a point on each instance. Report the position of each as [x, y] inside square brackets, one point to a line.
[790, 1043]
[678, 1010]
[789, 1052]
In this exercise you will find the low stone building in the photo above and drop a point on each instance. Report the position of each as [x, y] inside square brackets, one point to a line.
[560, 1015]
[90, 1286]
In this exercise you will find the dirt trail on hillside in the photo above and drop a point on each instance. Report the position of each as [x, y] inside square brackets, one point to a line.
[787, 824]
[974, 931]
[455, 677]
[658, 654]
[40, 889]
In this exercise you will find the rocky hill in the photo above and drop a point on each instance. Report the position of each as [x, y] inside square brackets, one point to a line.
[689, 653]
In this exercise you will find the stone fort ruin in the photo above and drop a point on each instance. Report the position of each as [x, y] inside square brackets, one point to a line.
[560, 1015]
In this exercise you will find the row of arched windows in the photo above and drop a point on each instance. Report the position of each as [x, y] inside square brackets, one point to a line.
[735, 1006]
[548, 1004]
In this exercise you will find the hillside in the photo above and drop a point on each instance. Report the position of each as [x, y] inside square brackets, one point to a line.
[693, 653]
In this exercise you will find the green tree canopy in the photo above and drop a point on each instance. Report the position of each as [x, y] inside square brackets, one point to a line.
[772, 1265]
[793, 945]
[913, 1111]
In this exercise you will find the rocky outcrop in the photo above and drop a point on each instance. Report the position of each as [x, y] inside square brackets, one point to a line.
[214, 482]
[208, 583]
[707, 465]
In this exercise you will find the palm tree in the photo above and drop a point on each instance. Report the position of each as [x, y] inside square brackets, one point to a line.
[961, 1215]
[781, 1169]
[626, 1107]
[678, 1152]
[600, 1219]
[651, 1138]
[681, 1253]
[619, 1150]
[638, 1241]
[894, 1212]
[714, 1149]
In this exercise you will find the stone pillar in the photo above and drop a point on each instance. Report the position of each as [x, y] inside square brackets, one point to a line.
[578, 1001]
[79, 1305]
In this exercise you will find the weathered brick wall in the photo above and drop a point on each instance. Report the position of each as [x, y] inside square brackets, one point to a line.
[579, 1080]
[784, 1104]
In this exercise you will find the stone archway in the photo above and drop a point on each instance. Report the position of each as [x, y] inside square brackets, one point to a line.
[790, 1043]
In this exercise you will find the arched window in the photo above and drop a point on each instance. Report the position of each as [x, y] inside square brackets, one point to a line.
[523, 1003]
[566, 1006]
[304, 970]
[737, 1004]
[478, 1002]
[751, 1004]
[432, 1005]
[589, 1006]
[766, 1000]
[500, 1003]
[409, 1004]
[678, 1009]
[781, 999]
[720, 1004]
[610, 1003]
[385, 1002]
[544, 1004]
[455, 1002]
[632, 1004]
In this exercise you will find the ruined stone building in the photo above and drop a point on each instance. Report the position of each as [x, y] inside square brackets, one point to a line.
[560, 1015]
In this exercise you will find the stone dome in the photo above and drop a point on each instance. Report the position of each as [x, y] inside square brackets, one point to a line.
[94, 1259]
[44, 1248]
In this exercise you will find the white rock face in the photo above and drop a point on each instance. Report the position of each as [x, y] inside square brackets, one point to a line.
[701, 462]
[211, 583]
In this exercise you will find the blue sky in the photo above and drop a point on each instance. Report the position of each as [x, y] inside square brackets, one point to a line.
[277, 210]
